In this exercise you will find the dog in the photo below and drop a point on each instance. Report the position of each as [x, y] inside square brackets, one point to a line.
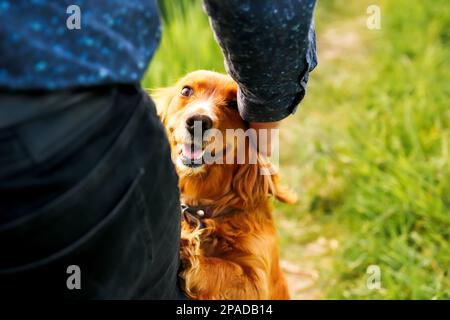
[229, 244]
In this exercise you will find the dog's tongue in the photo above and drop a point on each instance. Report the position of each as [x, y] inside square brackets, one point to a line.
[191, 151]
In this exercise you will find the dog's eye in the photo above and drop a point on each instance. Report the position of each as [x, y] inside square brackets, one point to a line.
[232, 105]
[186, 91]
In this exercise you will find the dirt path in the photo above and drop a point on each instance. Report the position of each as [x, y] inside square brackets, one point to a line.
[306, 264]
[302, 277]
[306, 254]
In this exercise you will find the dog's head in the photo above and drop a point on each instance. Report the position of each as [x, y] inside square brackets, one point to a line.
[205, 132]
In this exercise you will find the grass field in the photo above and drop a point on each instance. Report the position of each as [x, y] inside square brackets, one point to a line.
[368, 150]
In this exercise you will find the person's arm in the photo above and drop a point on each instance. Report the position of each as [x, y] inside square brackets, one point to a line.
[269, 50]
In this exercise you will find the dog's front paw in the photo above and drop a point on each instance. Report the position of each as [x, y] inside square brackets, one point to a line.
[187, 257]
[189, 244]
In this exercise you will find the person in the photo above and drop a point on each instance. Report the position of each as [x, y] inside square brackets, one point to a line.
[89, 204]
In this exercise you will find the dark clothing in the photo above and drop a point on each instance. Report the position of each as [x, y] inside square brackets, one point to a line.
[89, 183]
[269, 47]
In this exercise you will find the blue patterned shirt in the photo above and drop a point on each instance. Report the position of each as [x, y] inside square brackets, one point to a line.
[114, 44]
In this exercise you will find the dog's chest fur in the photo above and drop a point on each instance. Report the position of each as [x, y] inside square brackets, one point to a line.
[221, 241]
[215, 245]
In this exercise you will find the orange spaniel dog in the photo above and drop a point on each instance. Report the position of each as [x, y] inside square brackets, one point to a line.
[229, 244]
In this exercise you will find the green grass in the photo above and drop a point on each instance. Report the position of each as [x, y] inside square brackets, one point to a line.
[187, 44]
[369, 149]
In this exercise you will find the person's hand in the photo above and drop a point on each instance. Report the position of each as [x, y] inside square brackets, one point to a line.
[264, 143]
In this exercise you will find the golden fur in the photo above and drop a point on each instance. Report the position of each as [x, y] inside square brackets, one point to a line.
[234, 256]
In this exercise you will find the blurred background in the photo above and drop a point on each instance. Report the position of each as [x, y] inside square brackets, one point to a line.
[368, 151]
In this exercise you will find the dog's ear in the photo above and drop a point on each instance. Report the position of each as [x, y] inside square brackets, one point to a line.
[255, 182]
[281, 192]
[162, 98]
[231, 90]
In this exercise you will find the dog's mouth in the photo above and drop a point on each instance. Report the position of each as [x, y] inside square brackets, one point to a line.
[191, 155]
[194, 154]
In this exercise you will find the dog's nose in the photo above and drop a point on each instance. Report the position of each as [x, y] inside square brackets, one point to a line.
[203, 123]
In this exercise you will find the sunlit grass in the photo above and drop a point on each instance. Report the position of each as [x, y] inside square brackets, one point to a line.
[187, 44]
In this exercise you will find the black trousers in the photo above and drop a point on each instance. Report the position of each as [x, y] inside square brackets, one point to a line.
[89, 203]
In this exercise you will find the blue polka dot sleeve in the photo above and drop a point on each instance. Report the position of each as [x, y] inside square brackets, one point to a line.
[269, 48]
